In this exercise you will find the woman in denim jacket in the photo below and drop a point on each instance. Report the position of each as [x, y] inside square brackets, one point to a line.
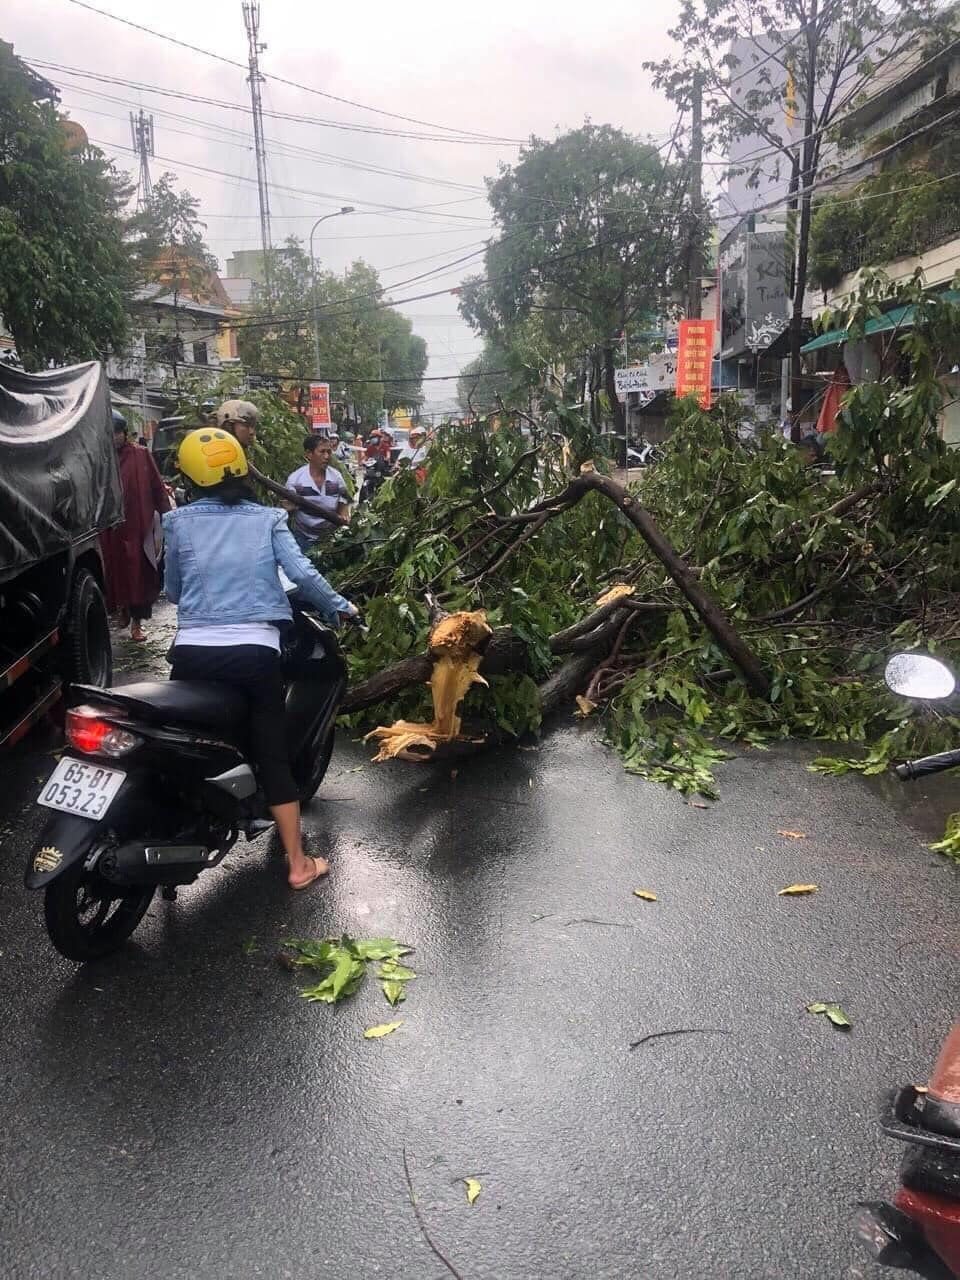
[223, 553]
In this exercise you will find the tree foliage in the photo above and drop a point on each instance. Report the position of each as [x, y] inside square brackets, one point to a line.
[591, 234]
[358, 335]
[823, 573]
[66, 268]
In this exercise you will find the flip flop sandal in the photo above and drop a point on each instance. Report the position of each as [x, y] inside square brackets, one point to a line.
[318, 875]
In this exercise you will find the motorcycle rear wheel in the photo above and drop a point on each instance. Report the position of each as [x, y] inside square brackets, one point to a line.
[318, 770]
[88, 918]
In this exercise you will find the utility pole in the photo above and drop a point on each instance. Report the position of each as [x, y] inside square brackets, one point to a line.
[347, 208]
[695, 281]
[141, 132]
[251, 21]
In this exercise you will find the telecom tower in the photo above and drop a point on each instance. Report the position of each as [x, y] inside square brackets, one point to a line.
[141, 131]
[251, 20]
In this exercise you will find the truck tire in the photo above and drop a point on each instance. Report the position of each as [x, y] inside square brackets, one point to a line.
[89, 657]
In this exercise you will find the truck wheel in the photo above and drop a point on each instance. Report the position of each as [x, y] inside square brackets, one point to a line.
[89, 655]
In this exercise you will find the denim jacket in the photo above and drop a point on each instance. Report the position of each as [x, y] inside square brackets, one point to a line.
[221, 565]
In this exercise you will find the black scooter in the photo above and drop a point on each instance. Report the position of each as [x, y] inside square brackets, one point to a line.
[156, 786]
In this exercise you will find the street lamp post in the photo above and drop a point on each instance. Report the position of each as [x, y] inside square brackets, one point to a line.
[347, 208]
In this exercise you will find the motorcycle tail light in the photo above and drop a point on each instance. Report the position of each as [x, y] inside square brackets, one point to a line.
[87, 732]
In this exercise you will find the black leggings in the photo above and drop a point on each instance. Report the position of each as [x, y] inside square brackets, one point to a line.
[254, 670]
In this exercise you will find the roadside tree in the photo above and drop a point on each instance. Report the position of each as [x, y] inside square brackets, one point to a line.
[67, 275]
[592, 233]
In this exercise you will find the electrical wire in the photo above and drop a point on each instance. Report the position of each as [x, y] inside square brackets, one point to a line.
[376, 206]
[361, 106]
[286, 116]
[276, 147]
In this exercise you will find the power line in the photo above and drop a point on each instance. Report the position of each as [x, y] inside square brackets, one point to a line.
[293, 149]
[361, 106]
[375, 208]
[286, 116]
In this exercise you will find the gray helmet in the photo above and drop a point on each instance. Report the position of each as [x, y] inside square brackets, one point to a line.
[238, 411]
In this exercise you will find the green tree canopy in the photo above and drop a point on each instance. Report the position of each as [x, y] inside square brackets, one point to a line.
[360, 339]
[591, 233]
[67, 274]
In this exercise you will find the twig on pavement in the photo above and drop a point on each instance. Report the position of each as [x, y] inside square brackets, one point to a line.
[681, 1031]
[422, 1225]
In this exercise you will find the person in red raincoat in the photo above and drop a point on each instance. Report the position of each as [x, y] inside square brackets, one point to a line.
[131, 550]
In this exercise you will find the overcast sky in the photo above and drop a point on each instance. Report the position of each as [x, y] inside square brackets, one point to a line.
[506, 68]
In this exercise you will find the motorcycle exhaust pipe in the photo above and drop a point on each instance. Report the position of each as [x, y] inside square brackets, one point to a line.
[139, 864]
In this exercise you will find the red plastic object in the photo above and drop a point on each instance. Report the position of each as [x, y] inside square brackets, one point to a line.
[939, 1219]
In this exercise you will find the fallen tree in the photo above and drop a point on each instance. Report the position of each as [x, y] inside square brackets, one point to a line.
[760, 596]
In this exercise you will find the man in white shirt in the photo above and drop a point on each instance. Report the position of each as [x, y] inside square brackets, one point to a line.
[322, 484]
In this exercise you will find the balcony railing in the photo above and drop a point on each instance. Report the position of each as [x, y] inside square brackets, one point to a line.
[872, 247]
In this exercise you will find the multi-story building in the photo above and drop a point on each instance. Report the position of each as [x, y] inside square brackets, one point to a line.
[898, 209]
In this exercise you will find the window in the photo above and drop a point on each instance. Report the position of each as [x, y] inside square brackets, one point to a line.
[199, 353]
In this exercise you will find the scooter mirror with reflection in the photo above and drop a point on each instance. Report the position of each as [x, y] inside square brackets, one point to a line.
[917, 675]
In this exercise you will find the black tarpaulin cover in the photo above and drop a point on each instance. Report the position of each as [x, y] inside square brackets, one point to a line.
[58, 471]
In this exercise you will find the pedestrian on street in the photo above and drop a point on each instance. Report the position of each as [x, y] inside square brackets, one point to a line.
[132, 550]
[320, 481]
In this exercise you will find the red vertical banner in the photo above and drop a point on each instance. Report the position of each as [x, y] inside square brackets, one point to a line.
[695, 359]
[320, 404]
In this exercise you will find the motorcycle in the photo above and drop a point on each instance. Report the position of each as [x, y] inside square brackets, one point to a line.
[156, 786]
[375, 472]
[920, 1231]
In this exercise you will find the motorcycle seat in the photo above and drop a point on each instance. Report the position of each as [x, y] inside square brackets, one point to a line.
[195, 702]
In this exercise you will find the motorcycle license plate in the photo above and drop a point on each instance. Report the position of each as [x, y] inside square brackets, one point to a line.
[88, 790]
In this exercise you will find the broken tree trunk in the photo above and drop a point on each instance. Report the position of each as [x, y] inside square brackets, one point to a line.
[710, 613]
[505, 652]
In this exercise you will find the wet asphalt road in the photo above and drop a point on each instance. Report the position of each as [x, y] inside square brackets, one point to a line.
[179, 1112]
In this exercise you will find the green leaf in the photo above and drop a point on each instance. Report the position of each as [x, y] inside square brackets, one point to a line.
[950, 844]
[831, 1011]
[934, 499]
[396, 972]
[837, 1016]
[378, 949]
[317, 955]
[394, 991]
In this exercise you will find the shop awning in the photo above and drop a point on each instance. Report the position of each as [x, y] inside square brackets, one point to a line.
[898, 318]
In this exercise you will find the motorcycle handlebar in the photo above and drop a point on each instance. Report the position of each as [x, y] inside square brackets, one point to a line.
[910, 770]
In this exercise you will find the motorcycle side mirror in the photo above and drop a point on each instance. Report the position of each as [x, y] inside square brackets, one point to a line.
[917, 675]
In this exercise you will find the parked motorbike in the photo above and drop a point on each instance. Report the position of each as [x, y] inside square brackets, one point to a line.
[920, 1231]
[156, 785]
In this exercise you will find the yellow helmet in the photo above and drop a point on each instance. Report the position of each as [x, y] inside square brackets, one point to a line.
[209, 455]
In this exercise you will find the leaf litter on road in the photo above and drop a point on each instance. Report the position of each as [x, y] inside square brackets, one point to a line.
[831, 1011]
[793, 890]
[473, 1189]
[343, 963]
[383, 1029]
[645, 894]
[793, 835]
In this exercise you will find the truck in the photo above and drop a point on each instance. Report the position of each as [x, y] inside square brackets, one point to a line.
[59, 489]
